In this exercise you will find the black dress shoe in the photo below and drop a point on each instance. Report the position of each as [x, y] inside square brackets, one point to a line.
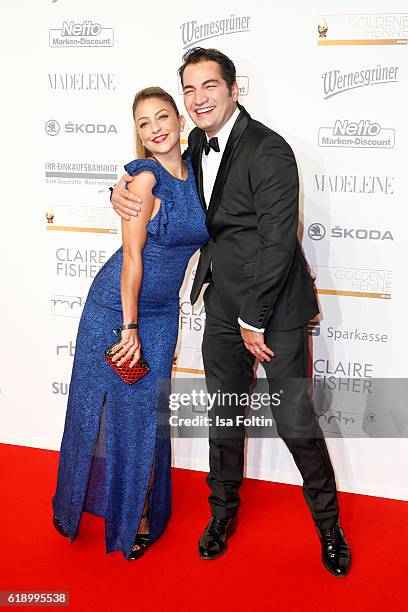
[58, 527]
[213, 541]
[336, 555]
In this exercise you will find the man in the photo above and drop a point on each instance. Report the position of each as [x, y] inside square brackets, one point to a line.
[260, 294]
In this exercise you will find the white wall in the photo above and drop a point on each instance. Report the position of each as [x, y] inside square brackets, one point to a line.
[280, 67]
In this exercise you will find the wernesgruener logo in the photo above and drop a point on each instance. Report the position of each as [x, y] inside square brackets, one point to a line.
[336, 82]
[193, 32]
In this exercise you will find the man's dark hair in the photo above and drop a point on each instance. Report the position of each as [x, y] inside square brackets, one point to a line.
[199, 54]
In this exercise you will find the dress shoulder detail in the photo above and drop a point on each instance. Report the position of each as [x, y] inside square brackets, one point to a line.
[163, 190]
[140, 165]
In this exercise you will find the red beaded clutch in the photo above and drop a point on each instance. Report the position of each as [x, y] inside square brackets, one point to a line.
[127, 374]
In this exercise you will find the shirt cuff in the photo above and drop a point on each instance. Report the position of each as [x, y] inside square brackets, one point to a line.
[246, 326]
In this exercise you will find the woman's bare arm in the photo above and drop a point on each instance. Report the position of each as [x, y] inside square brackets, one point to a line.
[134, 235]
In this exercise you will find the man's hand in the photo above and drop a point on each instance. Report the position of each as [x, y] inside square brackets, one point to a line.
[125, 203]
[254, 342]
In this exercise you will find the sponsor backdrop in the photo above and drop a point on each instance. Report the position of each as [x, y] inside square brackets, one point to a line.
[330, 78]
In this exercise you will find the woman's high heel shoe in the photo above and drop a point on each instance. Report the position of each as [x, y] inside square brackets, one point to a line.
[142, 542]
[58, 527]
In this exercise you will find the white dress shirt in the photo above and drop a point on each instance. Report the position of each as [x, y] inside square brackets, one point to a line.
[210, 164]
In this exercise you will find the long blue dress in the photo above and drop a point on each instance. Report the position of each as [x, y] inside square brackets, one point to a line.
[110, 441]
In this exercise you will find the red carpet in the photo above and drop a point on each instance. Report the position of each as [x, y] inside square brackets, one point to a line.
[273, 561]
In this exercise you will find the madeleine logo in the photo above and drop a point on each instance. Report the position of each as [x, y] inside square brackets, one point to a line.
[354, 183]
[193, 32]
[82, 81]
[81, 34]
[364, 29]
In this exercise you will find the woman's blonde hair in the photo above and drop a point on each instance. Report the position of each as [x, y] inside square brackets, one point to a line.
[145, 94]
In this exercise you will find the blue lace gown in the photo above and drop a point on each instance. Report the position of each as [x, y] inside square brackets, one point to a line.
[110, 441]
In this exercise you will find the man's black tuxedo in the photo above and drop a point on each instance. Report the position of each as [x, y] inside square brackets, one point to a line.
[258, 268]
[256, 271]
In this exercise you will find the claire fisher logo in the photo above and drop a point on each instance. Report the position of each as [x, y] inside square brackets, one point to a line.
[363, 29]
[81, 34]
[363, 134]
[79, 263]
[192, 32]
[336, 82]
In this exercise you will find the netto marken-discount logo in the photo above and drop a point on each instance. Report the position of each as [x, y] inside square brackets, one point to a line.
[336, 82]
[193, 33]
[363, 134]
[81, 34]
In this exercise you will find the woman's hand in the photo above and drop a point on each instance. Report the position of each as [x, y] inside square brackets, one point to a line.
[128, 348]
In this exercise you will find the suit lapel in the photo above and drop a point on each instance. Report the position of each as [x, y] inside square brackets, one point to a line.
[234, 138]
[196, 155]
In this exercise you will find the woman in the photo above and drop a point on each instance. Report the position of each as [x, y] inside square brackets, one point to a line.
[112, 462]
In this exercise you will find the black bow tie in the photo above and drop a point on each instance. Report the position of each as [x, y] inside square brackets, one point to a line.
[211, 144]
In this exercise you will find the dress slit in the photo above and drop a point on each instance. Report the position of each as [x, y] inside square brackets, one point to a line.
[95, 499]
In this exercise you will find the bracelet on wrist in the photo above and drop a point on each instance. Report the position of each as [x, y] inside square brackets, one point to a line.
[117, 330]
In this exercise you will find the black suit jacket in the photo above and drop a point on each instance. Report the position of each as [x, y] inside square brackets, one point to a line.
[258, 270]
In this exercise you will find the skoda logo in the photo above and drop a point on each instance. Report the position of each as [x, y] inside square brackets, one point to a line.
[52, 127]
[316, 231]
